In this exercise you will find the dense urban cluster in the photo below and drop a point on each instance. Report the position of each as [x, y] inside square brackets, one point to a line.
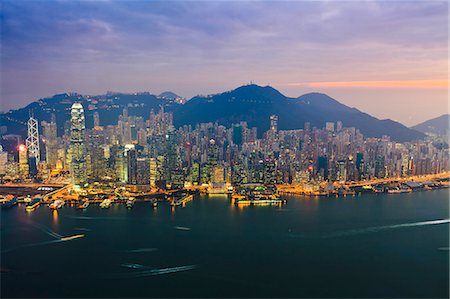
[150, 153]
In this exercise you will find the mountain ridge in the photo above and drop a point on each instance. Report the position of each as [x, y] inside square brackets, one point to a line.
[438, 125]
[251, 103]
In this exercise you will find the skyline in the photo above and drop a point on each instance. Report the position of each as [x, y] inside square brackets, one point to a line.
[364, 54]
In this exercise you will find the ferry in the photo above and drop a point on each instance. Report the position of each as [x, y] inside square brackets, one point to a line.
[106, 203]
[26, 199]
[33, 205]
[83, 205]
[57, 204]
[130, 202]
[9, 204]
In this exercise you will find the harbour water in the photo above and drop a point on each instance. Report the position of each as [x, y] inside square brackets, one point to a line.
[388, 245]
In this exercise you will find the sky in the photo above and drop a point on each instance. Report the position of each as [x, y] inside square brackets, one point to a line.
[386, 58]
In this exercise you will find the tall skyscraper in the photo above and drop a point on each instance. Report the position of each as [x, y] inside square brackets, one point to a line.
[132, 166]
[32, 141]
[274, 123]
[51, 143]
[77, 146]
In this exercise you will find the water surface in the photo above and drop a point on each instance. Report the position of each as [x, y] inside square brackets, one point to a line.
[369, 246]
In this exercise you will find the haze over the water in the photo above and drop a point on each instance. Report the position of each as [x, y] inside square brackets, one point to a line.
[386, 58]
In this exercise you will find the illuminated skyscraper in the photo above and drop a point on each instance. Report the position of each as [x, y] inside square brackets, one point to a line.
[23, 161]
[32, 141]
[77, 146]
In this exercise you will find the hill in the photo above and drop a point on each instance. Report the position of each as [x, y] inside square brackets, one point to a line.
[255, 104]
[439, 125]
[251, 103]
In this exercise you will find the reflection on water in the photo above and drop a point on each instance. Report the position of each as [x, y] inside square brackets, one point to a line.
[55, 217]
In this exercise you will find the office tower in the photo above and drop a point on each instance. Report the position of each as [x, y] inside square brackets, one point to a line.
[380, 169]
[153, 172]
[132, 169]
[322, 167]
[143, 171]
[3, 161]
[77, 146]
[360, 165]
[96, 119]
[49, 133]
[269, 172]
[237, 135]
[213, 153]
[32, 141]
[307, 127]
[329, 126]
[23, 161]
[142, 137]
[274, 123]
[339, 126]
[342, 171]
[171, 153]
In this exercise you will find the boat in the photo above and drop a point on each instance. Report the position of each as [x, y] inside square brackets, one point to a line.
[26, 199]
[83, 205]
[9, 204]
[33, 205]
[57, 204]
[154, 202]
[106, 203]
[130, 202]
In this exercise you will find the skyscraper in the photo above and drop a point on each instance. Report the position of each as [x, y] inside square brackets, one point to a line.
[51, 143]
[77, 146]
[274, 123]
[96, 119]
[23, 161]
[32, 141]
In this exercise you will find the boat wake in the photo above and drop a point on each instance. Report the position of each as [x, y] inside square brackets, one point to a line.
[141, 250]
[376, 229]
[47, 231]
[153, 272]
[182, 228]
[135, 266]
[369, 230]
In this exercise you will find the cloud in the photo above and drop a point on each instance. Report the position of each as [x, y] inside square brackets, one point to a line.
[200, 47]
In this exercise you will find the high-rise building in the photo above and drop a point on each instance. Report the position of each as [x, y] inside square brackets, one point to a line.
[132, 166]
[274, 123]
[96, 119]
[32, 141]
[77, 146]
[153, 172]
[3, 161]
[23, 161]
[329, 126]
[49, 133]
